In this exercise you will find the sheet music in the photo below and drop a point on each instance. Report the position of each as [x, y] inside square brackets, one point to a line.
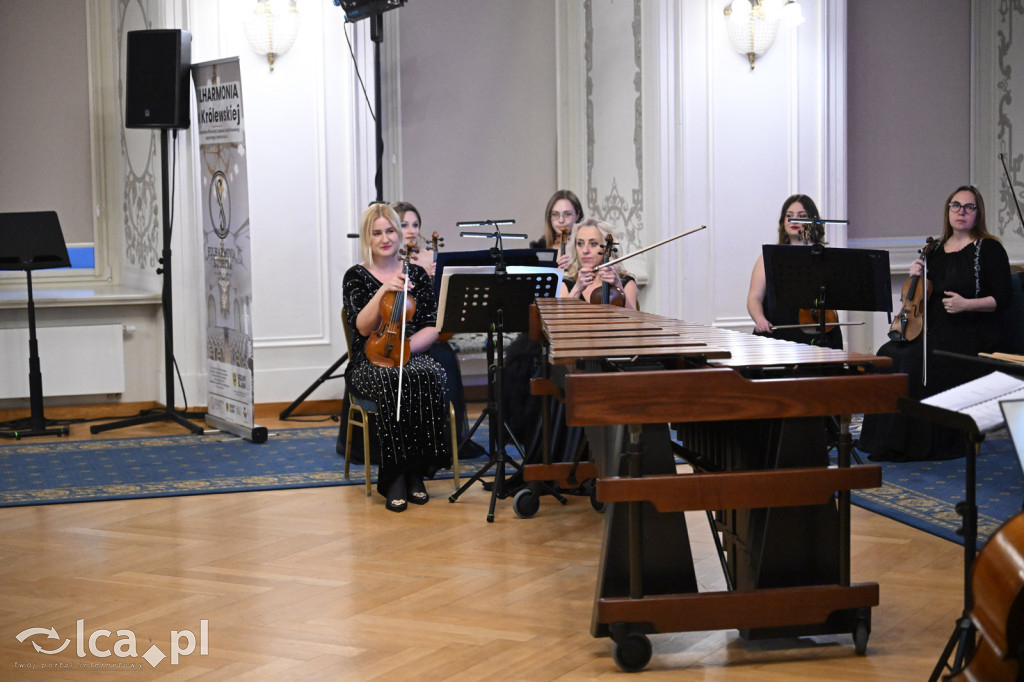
[1013, 410]
[979, 399]
[487, 270]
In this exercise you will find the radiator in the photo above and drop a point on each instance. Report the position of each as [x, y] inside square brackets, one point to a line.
[86, 360]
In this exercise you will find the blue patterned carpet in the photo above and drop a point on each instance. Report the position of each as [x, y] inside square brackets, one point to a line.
[120, 468]
[924, 494]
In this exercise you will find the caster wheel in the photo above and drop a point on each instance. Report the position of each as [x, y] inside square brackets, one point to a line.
[526, 503]
[633, 652]
[860, 638]
[590, 488]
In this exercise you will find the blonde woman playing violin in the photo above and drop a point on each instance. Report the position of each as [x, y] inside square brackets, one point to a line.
[414, 445]
[580, 280]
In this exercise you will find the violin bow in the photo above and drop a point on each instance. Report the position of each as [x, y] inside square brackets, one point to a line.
[648, 248]
[401, 339]
[1013, 193]
[924, 323]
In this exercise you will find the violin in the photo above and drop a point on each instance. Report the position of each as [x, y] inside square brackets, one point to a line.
[997, 585]
[810, 316]
[436, 242]
[606, 293]
[388, 345]
[913, 298]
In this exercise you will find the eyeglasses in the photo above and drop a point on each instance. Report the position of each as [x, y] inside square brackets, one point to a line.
[564, 215]
[955, 207]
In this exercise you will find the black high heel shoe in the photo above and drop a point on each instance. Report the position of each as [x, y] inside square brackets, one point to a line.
[395, 499]
[417, 492]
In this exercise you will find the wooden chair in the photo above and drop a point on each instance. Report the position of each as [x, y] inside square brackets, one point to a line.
[359, 411]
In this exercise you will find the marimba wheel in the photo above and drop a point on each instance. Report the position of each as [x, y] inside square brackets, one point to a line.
[633, 652]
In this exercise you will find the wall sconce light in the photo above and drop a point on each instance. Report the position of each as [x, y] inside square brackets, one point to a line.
[271, 27]
[752, 27]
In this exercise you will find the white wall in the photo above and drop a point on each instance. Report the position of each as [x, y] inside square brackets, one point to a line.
[724, 146]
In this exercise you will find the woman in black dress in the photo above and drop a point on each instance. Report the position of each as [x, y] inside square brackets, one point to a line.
[971, 289]
[413, 445]
[765, 316]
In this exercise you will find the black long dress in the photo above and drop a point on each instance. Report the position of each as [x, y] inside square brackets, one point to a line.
[415, 444]
[978, 270]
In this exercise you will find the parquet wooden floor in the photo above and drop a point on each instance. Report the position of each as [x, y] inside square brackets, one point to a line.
[324, 584]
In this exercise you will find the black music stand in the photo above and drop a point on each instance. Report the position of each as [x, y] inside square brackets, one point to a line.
[820, 278]
[544, 258]
[963, 635]
[32, 241]
[497, 302]
[168, 411]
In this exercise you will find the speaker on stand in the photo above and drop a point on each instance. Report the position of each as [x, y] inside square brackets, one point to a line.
[156, 96]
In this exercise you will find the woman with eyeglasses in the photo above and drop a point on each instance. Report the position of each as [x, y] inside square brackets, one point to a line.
[969, 273]
[765, 315]
[563, 210]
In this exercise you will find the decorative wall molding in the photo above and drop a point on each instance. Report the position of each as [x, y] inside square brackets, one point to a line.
[613, 194]
[140, 154]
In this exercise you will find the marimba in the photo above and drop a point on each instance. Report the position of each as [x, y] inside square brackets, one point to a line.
[749, 414]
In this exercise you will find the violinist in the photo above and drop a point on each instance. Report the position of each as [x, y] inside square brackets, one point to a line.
[971, 288]
[411, 224]
[440, 350]
[580, 280]
[414, 445]
[563, 211]
[764, 316]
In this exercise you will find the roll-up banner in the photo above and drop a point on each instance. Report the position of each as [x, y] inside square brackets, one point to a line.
[226, 248]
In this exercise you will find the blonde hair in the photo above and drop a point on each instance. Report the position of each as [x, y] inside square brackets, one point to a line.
[372, 213]
[603, 229]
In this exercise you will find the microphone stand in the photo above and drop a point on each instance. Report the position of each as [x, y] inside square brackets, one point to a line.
[816, 227]
[497, 251]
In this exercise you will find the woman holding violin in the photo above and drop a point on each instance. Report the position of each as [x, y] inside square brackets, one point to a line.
[969, 279]
[765, 316]
[590, 250]
[412, 444]
[562, 212]
[440, 350]
[409, 219]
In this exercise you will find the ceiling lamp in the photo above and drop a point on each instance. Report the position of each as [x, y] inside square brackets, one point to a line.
[271, 27]
[752, 27]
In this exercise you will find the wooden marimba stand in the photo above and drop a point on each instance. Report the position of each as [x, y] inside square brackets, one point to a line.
[646, 582]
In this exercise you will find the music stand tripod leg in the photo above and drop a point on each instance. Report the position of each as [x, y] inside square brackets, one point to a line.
[962, 639]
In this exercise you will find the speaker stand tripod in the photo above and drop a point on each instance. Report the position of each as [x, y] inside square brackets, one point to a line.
[168, 411]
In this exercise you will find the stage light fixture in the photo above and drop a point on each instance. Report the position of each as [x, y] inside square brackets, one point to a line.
[362, 9]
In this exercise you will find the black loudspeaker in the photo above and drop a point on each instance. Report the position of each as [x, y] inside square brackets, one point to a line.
[156, 87]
